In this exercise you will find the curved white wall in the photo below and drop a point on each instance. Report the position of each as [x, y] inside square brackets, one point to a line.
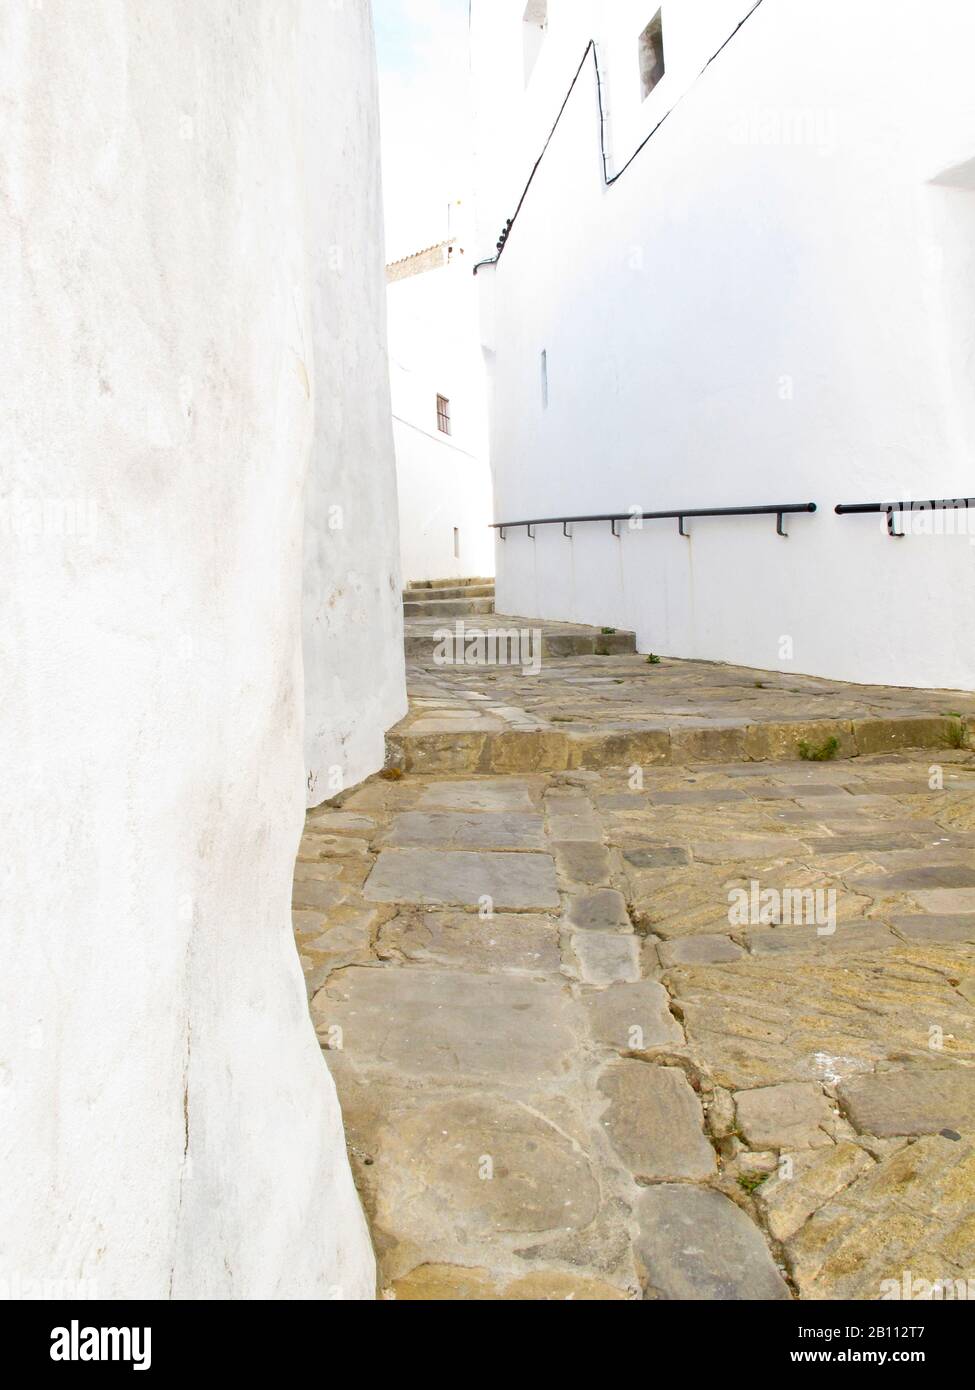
[169, 1126]
[773, 304]
[353, 615]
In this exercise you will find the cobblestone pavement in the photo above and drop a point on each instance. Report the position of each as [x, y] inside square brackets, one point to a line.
[567, 1073]
[595, 702]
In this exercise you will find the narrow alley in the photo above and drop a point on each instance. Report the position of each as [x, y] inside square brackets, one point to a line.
[583, 1046]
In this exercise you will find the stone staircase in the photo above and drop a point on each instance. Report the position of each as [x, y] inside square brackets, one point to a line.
[448, 598]
[526, 944]
[587, 700]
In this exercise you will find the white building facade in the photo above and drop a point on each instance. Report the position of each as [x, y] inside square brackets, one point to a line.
[201, 621]
[438, 386]
[741, 275]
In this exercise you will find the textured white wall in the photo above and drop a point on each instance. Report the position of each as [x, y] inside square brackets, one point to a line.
[444, 481]
[774, 303]
[168, 1124]
[353, 616]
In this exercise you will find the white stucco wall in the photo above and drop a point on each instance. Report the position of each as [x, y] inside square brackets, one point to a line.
[444, 481]
[169, 1127]
[353, 616]
[773, 304]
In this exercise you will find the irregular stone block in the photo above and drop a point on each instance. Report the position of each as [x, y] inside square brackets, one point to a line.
[757, 849]
[313, 893]
[581, 828]
[642, 748]
[503, 942]
[489, 794]
[787, 1201]
[757, 1164]
[655, 1122]
[582, 861]
[696, 796]
[779, 742]
[849, 936]
[606, 958]
[473, 721]
[790, 1116]
[452, 752]
[425, 1022]
[698, 950]
[329, 821]
[932, 876]
[707, 745]
[695, 1244]
[462, 878]
[945, 901]
[915, 1100]
[657, 856]
[908, 1218]
[633, 1017]
[330, 846]
[884, 735]
[602, 910]
[527, 750]
[474, 830]
[957, 926]
[486, 1161]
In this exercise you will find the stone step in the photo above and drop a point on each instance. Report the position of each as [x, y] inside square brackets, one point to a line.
[449, 583]
[447, 607]
[428, 743]
[462, 591]
[558, 640]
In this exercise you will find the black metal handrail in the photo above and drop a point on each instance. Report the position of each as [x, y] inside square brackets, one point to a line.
[777, 509]
[894, 509]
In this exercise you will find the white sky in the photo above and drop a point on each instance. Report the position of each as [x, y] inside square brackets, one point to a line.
[424, 82]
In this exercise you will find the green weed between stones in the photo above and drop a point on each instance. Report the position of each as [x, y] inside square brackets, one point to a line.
[956, 735]
[809, 753]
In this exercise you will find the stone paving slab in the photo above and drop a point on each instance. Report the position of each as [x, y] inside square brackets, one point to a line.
[958, 926]
[503, 942]
[922, 1101]
[504, 796]
[632, 1017]
[509, 881]
[696, 1244]
[634, 712]
[542, 1099]
[426, 1022]
[911, 1214]
[655, 1123]
[453, 830]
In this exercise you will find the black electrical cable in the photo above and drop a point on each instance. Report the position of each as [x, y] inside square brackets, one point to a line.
[608, 179]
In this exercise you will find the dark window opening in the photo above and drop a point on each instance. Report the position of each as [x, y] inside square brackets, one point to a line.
[443, 415]
[652, 54]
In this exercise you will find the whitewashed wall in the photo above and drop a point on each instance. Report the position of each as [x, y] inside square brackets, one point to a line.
[444, 481]
[169, 1127]
[774, 304]
[353, 616]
